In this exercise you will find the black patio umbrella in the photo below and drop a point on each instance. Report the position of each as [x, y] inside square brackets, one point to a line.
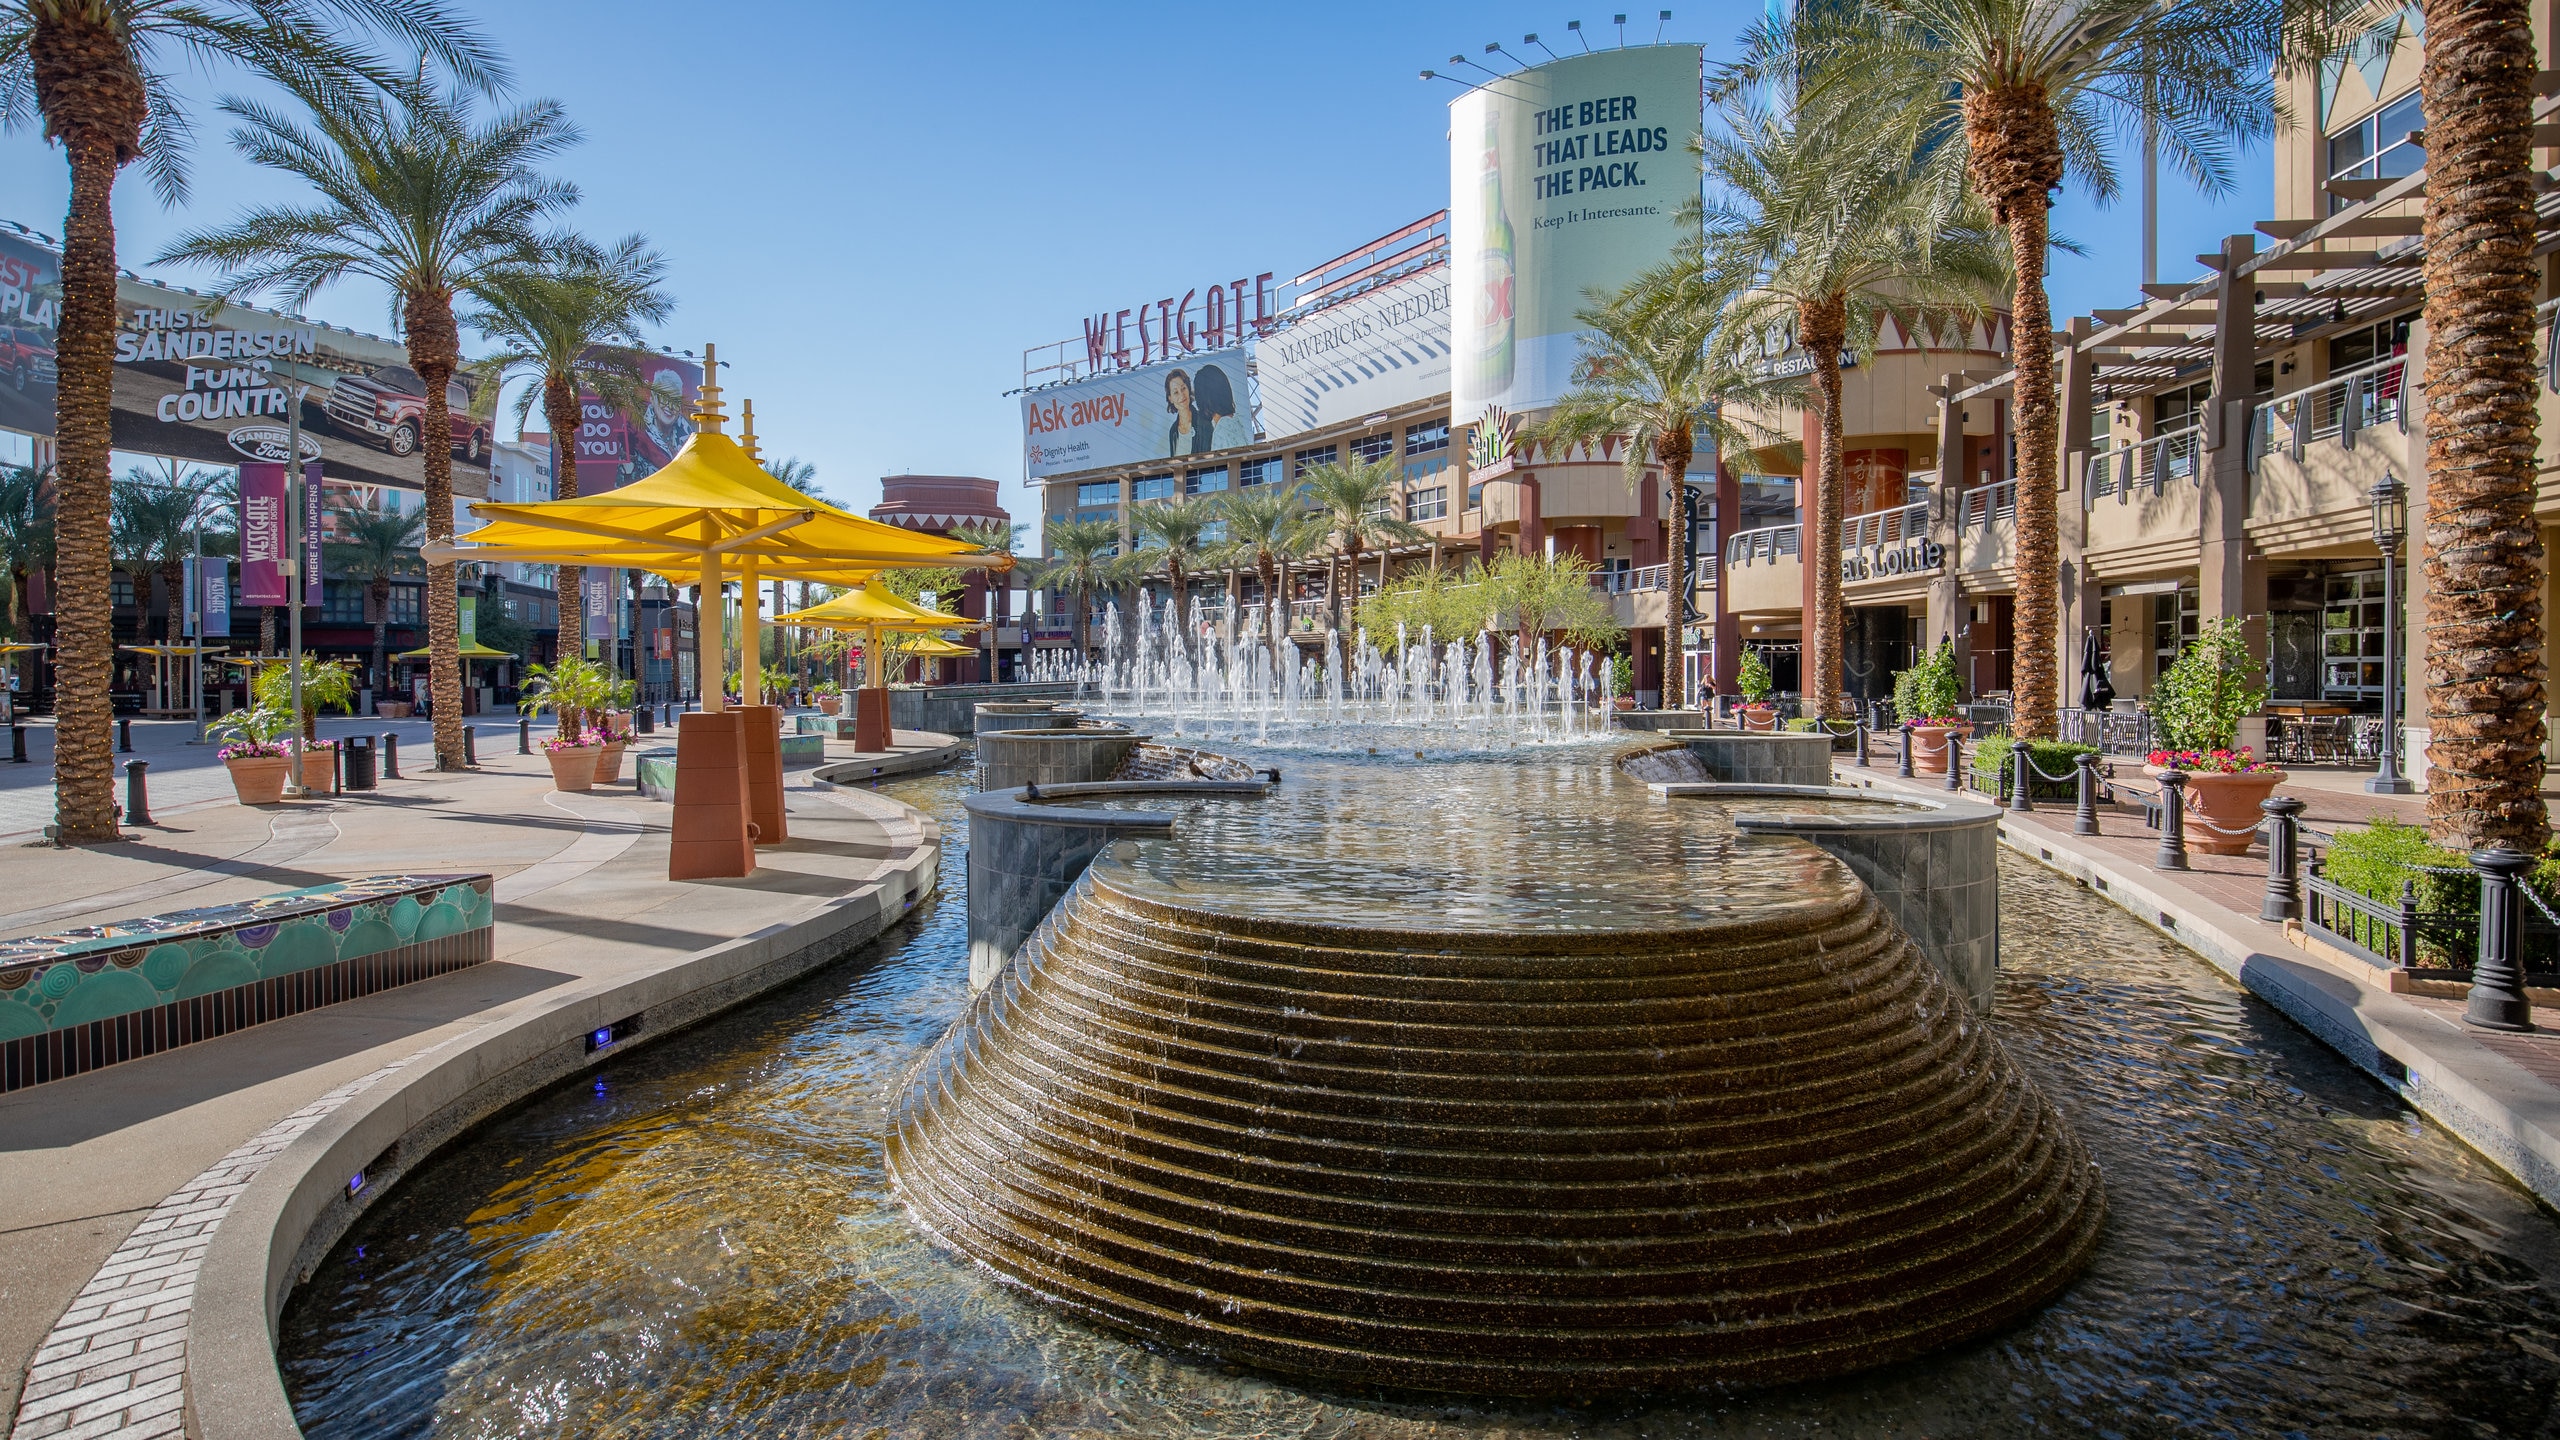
[2095, 692]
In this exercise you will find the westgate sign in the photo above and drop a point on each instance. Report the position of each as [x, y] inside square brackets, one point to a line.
[1911, 557]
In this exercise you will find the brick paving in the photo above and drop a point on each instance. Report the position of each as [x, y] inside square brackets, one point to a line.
[115, 1364]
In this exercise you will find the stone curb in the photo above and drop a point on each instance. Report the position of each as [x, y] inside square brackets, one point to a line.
[296, 1205]
[2484, 1099]
[857, 772]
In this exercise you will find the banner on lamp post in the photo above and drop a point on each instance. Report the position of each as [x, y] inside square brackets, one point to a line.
[263, 501]
[213, 597]
[596, 587]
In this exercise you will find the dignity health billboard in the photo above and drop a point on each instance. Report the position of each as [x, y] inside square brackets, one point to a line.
[1201, 404]
[1563, 179]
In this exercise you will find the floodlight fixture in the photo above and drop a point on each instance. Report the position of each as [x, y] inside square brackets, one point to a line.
[1532, 39]
[1574, 28]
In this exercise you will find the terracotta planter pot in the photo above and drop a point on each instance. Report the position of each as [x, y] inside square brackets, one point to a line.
[1623, 702]
[392, 709]
[2226, 804]
[320, 771]
[573, 767]
[1759, 717]
[1929, 747]
[834, 704]
[609, 761]
[259, 779]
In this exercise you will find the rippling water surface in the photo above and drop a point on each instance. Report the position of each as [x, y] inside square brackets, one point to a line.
[697, 1241]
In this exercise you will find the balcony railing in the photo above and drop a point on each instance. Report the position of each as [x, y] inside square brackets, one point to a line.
[1988, 505]
[1885, 529]
[1640, 580]
[2152, 463]
[2341, 406]
[1753, 546]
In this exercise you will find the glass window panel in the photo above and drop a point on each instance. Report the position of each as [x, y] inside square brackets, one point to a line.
[2340, 642]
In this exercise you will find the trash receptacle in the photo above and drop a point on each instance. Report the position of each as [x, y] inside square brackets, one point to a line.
[355, 753]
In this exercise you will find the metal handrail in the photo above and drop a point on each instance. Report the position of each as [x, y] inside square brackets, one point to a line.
[1987, 505]
[2155, 461]
[1640, 580]
[1884, 529]
[1753, 546]
[2343, 405]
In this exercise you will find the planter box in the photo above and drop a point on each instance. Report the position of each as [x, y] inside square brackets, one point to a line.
[392, 709]
[609, 762]
[320, 771]
[573, 767]
[2226, 804]
[259, 779]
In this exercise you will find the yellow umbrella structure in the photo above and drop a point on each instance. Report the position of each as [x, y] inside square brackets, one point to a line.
[163, 654]
[473, 651]
[710, 510]
[873, 610]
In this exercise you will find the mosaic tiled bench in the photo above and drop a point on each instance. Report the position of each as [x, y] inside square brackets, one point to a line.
[84, 998]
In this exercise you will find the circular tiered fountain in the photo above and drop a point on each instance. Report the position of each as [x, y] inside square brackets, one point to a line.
[1502, 1135]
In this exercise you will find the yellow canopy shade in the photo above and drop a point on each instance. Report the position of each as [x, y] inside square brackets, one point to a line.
[926, 646]
[166, 652]
[19, 647]
[875, 607]
[473, 651]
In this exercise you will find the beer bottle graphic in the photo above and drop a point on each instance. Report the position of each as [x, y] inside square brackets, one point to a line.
[1496, 318]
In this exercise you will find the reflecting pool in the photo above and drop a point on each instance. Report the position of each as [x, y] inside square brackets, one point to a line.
[697, 1240]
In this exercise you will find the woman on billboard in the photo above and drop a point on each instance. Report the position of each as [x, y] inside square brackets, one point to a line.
[1197, 405]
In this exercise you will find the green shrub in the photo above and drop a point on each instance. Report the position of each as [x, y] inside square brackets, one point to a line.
[1752, 678]
[2053, 757]
[2215, 681]
[1929, 690]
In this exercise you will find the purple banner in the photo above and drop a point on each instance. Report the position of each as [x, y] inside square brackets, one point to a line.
[263, 504]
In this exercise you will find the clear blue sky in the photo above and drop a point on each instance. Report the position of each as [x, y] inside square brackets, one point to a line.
[875, 209]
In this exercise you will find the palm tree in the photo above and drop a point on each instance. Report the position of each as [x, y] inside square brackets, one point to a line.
[574, 321]
[992, 537]
[151, 530]
[98, 74]
[1176, 527]
[1824, 228]
[1267, 527]
[2022, 94]
[1356, 504]
[1080, 558]
[2484, 561]
[26, 536]
[373, 546]
[420, 197]
[1656, 370]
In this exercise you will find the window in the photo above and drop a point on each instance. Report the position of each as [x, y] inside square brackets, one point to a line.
[2178, 409]
[120, 589]
[1214, 533]
[2173, 624]
[1259, 472]
[1423, 469]
[2378, 146]
[1427, 437]
[1099, 492]
[2368, 343]
[1431, 504]
[1373, 448]
[1306, 460]
[1152, 487]
[342, 602]
[1204, 480]
[408, 605]
[1097, 517]
[2351, 637]
[1475, 496]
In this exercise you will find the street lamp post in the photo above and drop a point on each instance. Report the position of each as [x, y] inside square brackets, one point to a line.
[293, 582]
[2390, 526]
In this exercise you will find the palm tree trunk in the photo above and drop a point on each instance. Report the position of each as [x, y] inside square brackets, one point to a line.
[173, 578]
[560, 412]
[1674, 450]
[2016, 162]
[435, 347]
[1824, 329]
[1084, 609]
[2483, 555]
[381, 588]
[91, 96]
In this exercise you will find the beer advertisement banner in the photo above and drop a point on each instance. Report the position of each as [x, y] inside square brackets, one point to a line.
[1200, 404]
[1564, 179]
[200, 380]
[1378, 350]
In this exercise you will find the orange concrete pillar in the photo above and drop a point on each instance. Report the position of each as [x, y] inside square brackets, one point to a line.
[871, 720]
[761, 729]
[711, 840]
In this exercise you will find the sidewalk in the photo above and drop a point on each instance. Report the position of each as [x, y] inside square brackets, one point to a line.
[2499, 1093]
[583, 903]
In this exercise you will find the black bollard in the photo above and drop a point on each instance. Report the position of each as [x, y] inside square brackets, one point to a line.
[470, 745]
[390, 755]
[524, 736]
[2497, 980]
[1902, 768]
[2173, 821]
[2284, 892]
[2084, 820]
[1955, 761]
[2021, 771]
[18, 744]
[137, 794]
[124, 734]
[1864, 763]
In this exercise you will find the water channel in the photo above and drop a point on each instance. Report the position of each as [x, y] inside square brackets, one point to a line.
[698, 1239]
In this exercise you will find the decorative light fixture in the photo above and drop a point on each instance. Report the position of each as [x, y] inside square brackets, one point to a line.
[2390, 501]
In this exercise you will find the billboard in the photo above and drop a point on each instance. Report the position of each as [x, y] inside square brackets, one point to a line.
[1380, 349]
[613, 449]
[196, 379]
[1156, 412]
[1564, 178]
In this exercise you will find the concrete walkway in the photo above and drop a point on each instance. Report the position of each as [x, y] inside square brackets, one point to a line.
[2499, 1093]
[118, 1178]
